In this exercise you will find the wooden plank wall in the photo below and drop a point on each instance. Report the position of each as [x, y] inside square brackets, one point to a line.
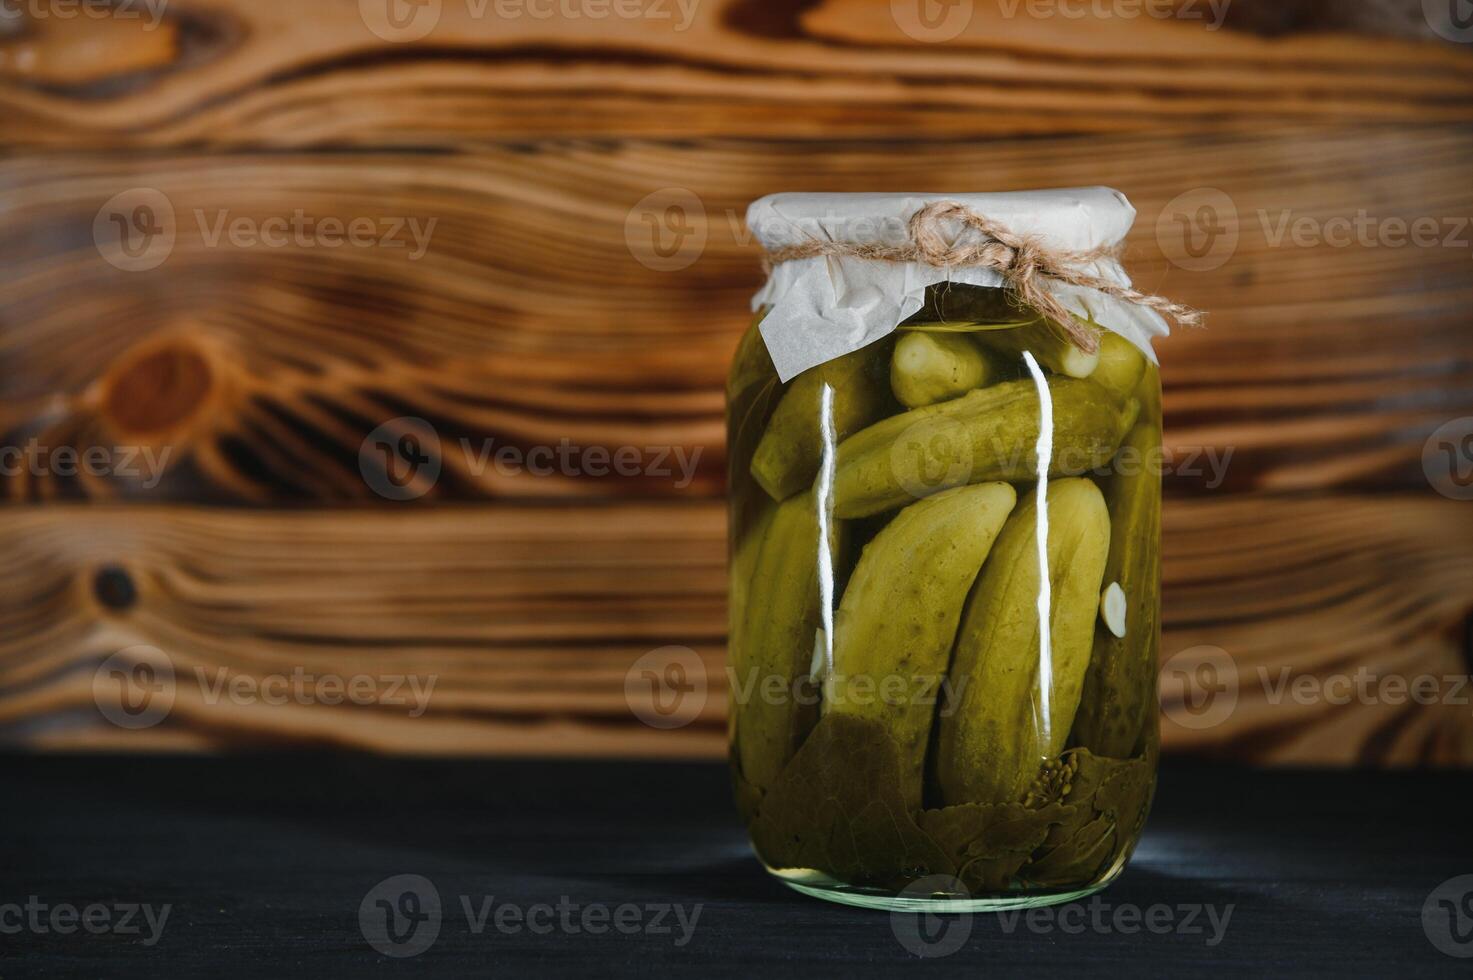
[583, 278]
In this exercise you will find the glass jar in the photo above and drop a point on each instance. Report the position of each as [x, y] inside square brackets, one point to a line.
[945, 608]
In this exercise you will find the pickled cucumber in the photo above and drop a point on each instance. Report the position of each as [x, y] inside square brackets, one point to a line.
[896, 625]
[751, 369]
[934, 367]
[1044, 341]
[752, 392]
[1000, 323]
[1121, 366]
[787, 459]
[1016, 708]
[963, 304]
[771, 648]
[1120, 688]
[989, 434]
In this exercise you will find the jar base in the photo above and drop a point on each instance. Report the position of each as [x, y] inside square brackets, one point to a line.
[821, 886]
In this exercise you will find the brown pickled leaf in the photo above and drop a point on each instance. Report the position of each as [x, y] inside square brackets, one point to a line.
[837, 808]
[1125, 794]
[989, 842]
[747, 796]
[1077, 860]
[1109, 799]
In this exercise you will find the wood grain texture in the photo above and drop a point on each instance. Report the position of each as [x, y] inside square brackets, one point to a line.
[1321, 593]
[526, 619]
[538, 312]
[529, 618]
[563, 171]
[279, 72]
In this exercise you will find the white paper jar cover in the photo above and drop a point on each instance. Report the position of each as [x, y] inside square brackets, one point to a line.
[826, 306]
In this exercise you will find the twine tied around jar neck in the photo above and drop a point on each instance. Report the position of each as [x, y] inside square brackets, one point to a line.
[1028, 266]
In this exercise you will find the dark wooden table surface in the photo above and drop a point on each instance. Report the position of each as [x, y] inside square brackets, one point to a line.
[264, 864]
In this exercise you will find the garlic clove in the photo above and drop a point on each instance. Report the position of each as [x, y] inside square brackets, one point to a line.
[1112, 609]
